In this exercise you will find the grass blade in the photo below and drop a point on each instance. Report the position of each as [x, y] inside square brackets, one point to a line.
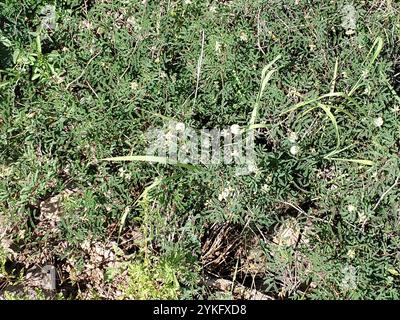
[360, 161]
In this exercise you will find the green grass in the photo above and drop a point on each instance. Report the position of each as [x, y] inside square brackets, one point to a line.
[87, 91]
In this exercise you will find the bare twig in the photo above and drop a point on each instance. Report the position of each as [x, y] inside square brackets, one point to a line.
[258, 32]
[385, 193]
[333, 83]
[83, 71]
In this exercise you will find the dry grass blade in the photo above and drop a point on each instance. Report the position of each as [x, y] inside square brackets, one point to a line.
[265, 77]
[378, 45]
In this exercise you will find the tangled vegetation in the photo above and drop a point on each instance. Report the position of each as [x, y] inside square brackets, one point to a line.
[317, 218]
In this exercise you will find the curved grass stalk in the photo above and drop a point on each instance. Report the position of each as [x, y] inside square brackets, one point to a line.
[378, 45]
[324, 96]
[265, 77]
[334, 122]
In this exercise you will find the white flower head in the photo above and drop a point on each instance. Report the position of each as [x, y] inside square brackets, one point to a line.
[351, 254]
[121, 172]
[134, 85]
[180, 127]
[235, 129]
[265, 188]
[252, 167]
[225, 194]
[244, 37]
[362, 217]
[378, 122]
[87, 24]
[294, 150]
[351, 208]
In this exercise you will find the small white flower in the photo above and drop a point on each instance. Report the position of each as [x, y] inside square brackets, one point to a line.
[293, 137]
[205, 143]
[187, 2]
[213, 9]
[225, 194]
[180, 126]
[244, 37]
[350, 32]
[351, 254]
[252, 167]
[124, 174]
[294, 150]
[362, 217]
[134, 85]
[87, 24]
[265, 188]
[378, 122]
[121, 172]
[235, 129]
[208, 203]
[351, 208]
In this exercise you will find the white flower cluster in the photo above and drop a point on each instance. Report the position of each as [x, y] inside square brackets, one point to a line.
[225, 194]
[294, 149]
